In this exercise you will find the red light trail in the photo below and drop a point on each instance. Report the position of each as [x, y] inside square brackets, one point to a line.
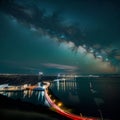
[64, 113]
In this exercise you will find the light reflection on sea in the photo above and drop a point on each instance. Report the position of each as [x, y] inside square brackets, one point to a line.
[35, 97]
[91, 96]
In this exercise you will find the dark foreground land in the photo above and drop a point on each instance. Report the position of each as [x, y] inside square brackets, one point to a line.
[11, 109]
[18, 110]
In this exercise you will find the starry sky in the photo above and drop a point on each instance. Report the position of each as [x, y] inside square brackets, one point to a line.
[60, 36]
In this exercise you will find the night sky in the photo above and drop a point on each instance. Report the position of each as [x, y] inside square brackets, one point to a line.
[60, 36]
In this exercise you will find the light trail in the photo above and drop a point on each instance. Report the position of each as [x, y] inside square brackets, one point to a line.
[62, 112]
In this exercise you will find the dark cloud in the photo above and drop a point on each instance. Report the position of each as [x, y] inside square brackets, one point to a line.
[50, 24]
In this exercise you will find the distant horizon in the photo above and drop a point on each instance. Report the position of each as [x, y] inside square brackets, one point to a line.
[74, 75]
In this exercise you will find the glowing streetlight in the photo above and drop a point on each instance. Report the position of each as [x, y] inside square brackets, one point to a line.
[59, 104]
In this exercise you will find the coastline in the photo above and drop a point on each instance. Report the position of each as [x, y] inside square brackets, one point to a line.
[17, 109]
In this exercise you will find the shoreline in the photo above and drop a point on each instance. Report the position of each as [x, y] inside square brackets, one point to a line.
[17, 109]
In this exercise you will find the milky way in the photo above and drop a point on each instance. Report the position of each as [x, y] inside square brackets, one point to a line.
[56, 27]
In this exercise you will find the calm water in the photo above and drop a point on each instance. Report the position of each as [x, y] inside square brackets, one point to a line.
[35, 97]
[91, 96]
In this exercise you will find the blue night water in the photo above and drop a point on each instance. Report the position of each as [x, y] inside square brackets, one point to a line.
[35, 97]
[86, 96]
[90, 96]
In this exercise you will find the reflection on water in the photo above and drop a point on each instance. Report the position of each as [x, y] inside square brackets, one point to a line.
[91, 96]
[66, 89]
[36, 97]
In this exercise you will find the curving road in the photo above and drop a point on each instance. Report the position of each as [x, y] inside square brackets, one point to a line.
[62, 112]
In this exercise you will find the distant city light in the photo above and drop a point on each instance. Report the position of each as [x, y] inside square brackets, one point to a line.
[40, 73]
